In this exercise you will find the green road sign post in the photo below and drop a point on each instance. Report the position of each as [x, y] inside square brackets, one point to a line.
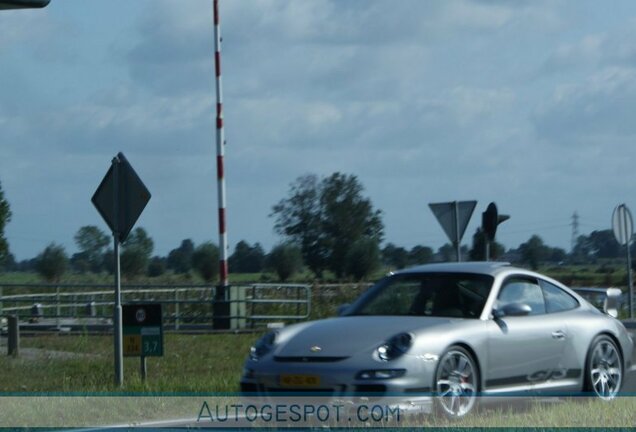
[142, 332]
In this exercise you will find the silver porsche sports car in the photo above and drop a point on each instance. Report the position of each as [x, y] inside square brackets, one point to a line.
[448, 333]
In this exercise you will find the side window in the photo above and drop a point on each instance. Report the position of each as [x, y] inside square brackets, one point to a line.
[557, 300]
[521, 290]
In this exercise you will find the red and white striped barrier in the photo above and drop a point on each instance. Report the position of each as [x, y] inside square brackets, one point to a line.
[220, 152]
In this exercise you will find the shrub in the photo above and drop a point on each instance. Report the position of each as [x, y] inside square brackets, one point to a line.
[205, 261]
[285, 259]
[52, 263]
[363, 258]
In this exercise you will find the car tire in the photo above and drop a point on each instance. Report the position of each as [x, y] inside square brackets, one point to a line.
[604, 372]
[456, 383]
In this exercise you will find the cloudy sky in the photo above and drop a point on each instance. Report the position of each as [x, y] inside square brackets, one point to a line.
[529, 104]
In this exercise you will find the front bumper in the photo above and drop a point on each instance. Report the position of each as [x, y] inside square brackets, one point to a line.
[340, 381]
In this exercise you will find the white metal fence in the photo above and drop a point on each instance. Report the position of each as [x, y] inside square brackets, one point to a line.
[185, 306]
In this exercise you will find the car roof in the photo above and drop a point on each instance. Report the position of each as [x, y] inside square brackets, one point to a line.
[489, 268]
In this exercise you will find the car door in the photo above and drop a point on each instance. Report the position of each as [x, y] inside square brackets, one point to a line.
[523, 351]
[561, 307]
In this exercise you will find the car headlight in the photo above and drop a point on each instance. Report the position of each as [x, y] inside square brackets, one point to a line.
[262, 346]
[395, 347]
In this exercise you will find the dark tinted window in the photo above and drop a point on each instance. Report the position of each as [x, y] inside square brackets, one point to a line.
[461, 295]
[557, 300]
[521, 290]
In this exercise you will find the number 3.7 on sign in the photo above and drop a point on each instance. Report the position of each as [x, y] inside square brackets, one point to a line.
[152, 346]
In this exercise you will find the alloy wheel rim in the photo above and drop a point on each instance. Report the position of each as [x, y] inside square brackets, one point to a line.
[456, 383]
[606, 371]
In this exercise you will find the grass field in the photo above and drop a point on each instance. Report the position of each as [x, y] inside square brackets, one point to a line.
[200, 363]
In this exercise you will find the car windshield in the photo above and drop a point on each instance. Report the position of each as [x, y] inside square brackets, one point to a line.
[459, 295]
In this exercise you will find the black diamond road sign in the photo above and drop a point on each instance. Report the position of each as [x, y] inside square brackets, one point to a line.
[131, 200]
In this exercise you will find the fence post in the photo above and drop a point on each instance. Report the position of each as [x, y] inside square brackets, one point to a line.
[237, 307]
[252, 305]
[13, 343]
[58, 311]
[91, 309]
[308, 288]
[176, 308]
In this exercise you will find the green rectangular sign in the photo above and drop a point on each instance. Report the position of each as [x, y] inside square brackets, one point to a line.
[143, 330]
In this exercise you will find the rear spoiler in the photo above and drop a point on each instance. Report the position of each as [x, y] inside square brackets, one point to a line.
[610, 298]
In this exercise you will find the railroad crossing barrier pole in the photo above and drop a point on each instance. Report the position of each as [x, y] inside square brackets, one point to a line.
[13, 344]
[221, 308]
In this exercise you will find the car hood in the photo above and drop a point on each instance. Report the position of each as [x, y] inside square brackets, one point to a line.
[345, 336]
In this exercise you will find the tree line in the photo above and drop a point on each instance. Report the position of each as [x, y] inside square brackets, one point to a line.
[95, 256]
[327, 225]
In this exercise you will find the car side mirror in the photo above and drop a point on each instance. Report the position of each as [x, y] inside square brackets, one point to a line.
[512, 309]
[342, 309]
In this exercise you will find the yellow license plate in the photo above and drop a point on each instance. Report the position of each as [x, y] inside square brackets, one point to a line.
[288, 380]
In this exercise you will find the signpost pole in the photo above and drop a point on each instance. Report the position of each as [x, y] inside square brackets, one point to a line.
[630, 283]
[487, 247]
[458, 237]
[143, 369]
[117, 313]
[623, 227]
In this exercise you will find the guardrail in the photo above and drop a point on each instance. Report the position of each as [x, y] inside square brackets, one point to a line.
[185, 306]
